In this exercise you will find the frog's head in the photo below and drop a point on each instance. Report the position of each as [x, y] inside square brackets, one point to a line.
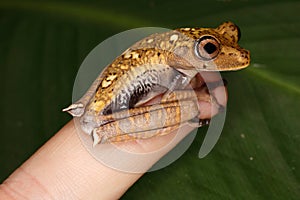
[218, 48]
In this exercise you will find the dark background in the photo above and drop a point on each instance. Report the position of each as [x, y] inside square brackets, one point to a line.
[42, 44]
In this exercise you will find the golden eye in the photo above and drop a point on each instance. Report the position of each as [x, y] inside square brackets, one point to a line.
[207, 48]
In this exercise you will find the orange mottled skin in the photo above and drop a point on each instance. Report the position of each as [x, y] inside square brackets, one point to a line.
[182, 52]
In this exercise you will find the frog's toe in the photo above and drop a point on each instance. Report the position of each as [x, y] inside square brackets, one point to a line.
[76, 109]
[96, 138]
[196, 122]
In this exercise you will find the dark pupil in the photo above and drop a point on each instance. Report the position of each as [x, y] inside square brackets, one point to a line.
[210, 48]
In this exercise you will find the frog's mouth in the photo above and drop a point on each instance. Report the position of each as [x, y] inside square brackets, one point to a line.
[210, 90]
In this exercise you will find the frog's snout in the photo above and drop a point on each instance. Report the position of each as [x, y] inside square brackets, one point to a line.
[244, 57]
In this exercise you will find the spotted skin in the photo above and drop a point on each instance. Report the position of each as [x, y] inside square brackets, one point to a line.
[157, 64]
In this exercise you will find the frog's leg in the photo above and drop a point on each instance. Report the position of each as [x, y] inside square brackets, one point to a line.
[178, 107]
[148, 124]
[101, 137]
[178, 95]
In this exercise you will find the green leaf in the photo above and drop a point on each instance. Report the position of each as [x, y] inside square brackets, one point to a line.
[42, 44]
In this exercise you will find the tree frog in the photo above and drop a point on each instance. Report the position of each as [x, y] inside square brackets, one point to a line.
[160, 64]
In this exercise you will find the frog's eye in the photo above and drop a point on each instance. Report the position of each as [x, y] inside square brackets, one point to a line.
[207, 48]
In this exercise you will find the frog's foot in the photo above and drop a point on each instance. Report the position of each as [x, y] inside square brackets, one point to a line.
[97, 137]
[76, 109]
